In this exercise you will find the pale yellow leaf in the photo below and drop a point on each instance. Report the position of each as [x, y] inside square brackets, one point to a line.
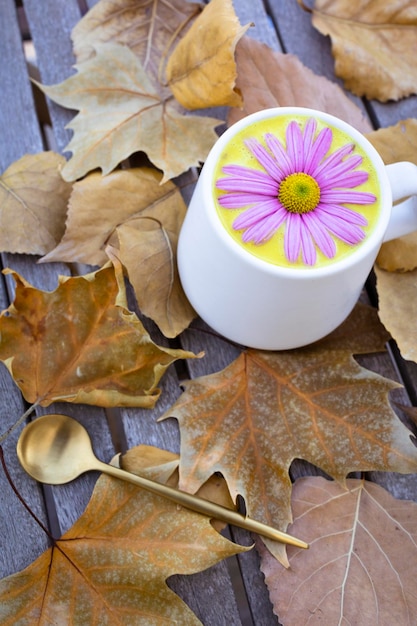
[201, 71]
[121, 111]
[397, 308]
[374, 43]
[99, 204]
[33, 204]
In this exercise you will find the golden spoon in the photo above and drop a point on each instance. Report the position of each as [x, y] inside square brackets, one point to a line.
[56, 449]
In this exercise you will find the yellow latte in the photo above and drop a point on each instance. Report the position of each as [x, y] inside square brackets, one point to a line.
[296, 192]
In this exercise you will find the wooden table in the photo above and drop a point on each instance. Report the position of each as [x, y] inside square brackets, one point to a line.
[236, 585]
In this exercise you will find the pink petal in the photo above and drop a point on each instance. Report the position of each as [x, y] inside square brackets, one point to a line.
[340, 212]
[280, 155]
[320, 235]
[256, 214]
[348, 180]
[307, 246]
[261, 232]
[347, 232]
[239, 200]
[264, 158]
[347, 197]
[333, 160]
[319, 150]
[308, 139]
[295, 146]
[292, 239]
[267, 187]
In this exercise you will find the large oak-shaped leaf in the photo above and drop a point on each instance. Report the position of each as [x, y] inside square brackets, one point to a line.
[111, 566]
[80, 343]
[266, 409]
[149, 29]
[397, 308]
[394, 144]
[201, 71]
[121, 111]
[374, 43]
[33, 204]
[360, 568]
[267, 78]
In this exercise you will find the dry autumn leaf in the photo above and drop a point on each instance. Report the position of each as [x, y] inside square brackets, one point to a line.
[121, 111]
[268, 79]
[397, 308]
[148, 251]
[147, 28]
[142, 217]
[394, 144]
[99, 204]
[80, 343]
[33, 199]
[360, 568]
[373, 43]
[250, 421]
[112, 565]
[201, 71]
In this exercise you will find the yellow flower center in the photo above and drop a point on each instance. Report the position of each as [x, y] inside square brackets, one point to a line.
[299, 193]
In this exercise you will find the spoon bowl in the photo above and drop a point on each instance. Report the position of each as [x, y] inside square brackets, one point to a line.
[56, 449]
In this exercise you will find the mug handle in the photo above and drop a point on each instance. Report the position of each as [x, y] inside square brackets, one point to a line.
[403, 180]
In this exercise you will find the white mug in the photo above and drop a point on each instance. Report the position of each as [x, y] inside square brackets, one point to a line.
[282, 304]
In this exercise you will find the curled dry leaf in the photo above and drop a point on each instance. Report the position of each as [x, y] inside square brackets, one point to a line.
[148, 251]
[33, 204]
[141, 218]
[80, 343]
[397, 143]
[121, 111]
[360, 568]
[99, 204]
[374, 43]
[268, 78]
[111, 567]
[397, 308]
[251, 420]
[201, 71]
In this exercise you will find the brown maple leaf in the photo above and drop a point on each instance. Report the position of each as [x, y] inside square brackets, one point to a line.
[250, 421]
[360, 568]
[80, 343]
[112, 565]
[268, 78]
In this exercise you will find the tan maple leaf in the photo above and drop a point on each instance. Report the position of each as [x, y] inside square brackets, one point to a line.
[80, 343]
[121, 111]
[373, 43]
[112, 565]
[201, 71]
[33, 204]
[361, 563]
[267, 78]
[250, 421]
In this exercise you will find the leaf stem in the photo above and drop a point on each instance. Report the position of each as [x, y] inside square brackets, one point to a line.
[21, 419]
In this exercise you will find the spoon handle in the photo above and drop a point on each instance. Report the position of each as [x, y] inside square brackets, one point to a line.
[200, 505]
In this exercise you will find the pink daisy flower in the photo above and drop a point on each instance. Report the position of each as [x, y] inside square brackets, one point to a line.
[302, 186]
